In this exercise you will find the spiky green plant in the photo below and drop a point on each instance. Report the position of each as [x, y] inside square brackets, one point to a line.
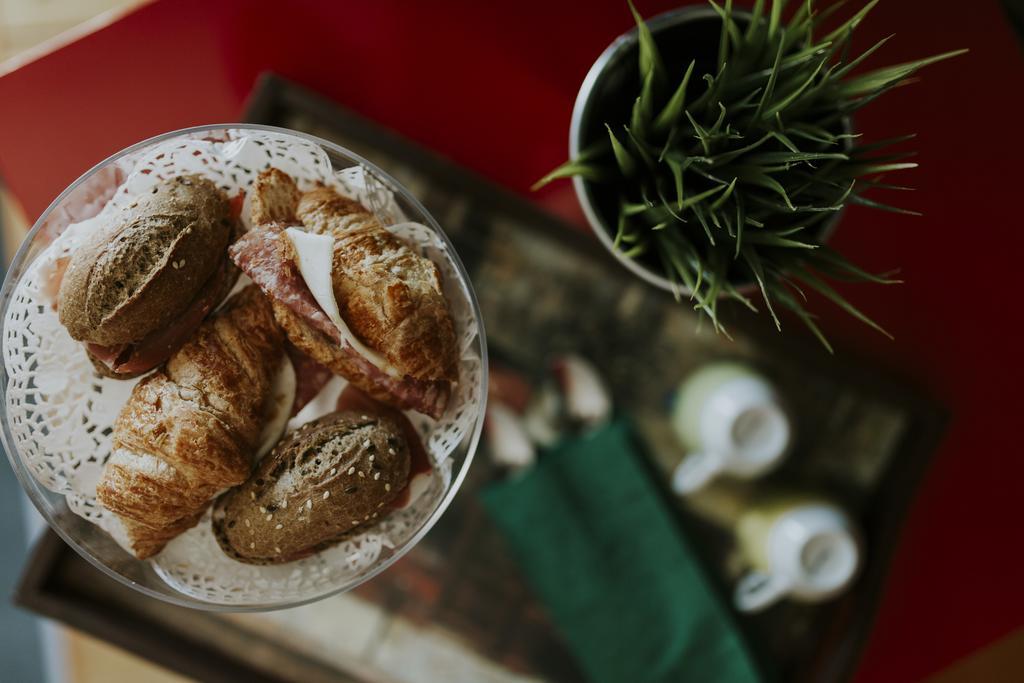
[729, 177]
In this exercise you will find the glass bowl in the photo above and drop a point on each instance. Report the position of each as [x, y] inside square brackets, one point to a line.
[57, 416]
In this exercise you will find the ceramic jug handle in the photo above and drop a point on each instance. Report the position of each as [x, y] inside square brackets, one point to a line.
[695, 471]
[757, 591]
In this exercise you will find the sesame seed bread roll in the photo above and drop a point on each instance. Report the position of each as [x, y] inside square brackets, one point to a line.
[144, 272]
[138, 289]
[323, 481]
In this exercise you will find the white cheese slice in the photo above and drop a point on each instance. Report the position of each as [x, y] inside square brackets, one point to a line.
[314, 255]
[418, 485]
[326, 401]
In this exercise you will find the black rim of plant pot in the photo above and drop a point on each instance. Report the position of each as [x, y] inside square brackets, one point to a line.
[584, 111]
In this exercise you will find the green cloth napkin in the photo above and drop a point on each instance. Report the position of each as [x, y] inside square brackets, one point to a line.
[623, 586]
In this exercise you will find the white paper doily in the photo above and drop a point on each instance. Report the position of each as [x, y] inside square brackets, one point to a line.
[61, 411]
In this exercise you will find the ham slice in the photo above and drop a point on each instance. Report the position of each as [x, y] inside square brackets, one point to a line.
[310, 377]
[258, 253]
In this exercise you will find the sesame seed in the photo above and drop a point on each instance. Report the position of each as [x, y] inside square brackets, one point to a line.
[351, 470]
[279, 526]
[366, 517]
[391, 451]
[376, 476]
[252, 494]
[247, 523]
[252, 546]
[366, 444]
[277, 550]
[334, 470]
[374, 515]
[354, 522]
[270, 517]
[387, 487]
[284, 503]
[361, 473]
[365, 417]
[309, 504]
[327, 494]
[371, 458]
[263, 510]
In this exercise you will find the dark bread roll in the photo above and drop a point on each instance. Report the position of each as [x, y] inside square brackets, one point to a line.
[143, 272]
[124, 361]
[321, 482]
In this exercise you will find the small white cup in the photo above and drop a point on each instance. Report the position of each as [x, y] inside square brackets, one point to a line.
[731, 421]
[805, 551]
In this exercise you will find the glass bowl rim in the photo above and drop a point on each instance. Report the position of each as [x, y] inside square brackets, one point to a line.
[28, 482]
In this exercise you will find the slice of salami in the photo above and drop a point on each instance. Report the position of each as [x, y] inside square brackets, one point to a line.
[258, 253]
[429, 397]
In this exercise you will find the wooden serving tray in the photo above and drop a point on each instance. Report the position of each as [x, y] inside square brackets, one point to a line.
[458, 599]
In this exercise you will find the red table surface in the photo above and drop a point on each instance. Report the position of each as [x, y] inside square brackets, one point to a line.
[492, 87]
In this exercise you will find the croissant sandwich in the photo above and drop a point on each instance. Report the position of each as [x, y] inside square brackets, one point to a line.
[142, 285]
[350, 294]
[189, 430]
